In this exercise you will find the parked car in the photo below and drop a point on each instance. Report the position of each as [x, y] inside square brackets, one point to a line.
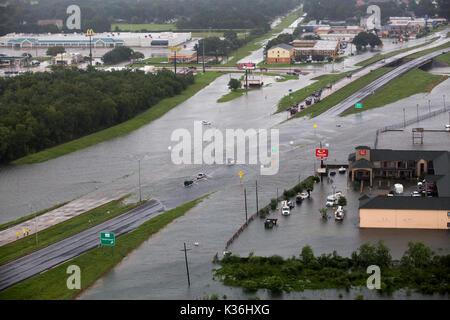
[349, 75]
[206, 123]
[415, 194]
[292, 73]
[297, 70]
[308, 101]
[262, 69]
[316, 100]
[328, 86]
[188, 183]
[447, 127]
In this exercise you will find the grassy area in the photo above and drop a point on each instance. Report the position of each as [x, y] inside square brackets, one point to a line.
[303, 93]
[424, 52]
[412, 82]
[255, 44]
[427, 275]
[155, 60]
[232, 95]
[63, 230]
[445, 58]
[93, 264]
[379, 57]
[30, 216]
[146, 26]
[155, 112]
[342, 93]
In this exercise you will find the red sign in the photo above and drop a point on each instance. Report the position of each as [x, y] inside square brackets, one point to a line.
[322, 153]
[362, 152]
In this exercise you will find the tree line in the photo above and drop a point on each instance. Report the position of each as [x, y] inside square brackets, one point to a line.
[418, 269]
[23, 15]
[40, 110]
[349, 11]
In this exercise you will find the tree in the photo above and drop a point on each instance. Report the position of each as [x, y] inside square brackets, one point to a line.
[417, 255]
[137, 55]
[373, 40]
[324, 213]
[117, 55]
[53, 51]
[342, 201]
[234, 84]
[307, 255]
[444, 8]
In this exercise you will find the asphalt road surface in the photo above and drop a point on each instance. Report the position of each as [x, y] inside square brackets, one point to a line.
[378, 83]
[43, 259]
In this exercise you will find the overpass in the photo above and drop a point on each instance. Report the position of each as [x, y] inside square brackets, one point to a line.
[380, 82]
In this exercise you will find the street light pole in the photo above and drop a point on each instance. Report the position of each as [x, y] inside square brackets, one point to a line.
[404, 118]
[429, 105]
[140, 194]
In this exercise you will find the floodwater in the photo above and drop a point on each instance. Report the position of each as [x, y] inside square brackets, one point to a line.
[156, 269]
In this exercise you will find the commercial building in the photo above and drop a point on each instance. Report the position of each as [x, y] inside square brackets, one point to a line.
[183, 57]
[100, 40]
[67, 58]
[323, 48]
[405, 212]
[425, 212]
[280, 54]
[13, 61]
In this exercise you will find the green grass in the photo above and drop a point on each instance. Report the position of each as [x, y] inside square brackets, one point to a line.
[232, 95]
[445, 58]
[342, 94]
[255, 44]
[305, 92]
[155, 112]
[379, 57]
[424, 52]
[63, 230]
[93, 264]
[146, 26]
[30, 216]
[412, 82]
[155, 60]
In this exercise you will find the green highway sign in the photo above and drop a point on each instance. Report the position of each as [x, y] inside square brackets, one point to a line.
[107, 238]
[358, 105]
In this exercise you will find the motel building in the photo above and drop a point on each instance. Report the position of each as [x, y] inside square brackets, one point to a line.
[403, 211]
[280, 54]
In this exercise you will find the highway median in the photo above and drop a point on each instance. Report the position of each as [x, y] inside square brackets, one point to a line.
[52, 284]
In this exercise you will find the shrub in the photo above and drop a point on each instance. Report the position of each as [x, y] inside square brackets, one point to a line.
[273, 204]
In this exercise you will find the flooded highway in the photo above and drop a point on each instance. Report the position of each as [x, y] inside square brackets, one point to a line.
[156, 269]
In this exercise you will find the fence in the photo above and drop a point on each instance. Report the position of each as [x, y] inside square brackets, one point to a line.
[407, 123]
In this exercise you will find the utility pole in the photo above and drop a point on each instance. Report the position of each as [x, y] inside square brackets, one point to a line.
[245, 200]
[429, 105]
[257, 206]
[187, 267]
[35, 225]
[443, 98]
[203, 60]
[417, 112]
[140, 194]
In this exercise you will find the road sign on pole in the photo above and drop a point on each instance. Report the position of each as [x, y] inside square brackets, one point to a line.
[322, 153]
[358, 105]
[107, 239]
